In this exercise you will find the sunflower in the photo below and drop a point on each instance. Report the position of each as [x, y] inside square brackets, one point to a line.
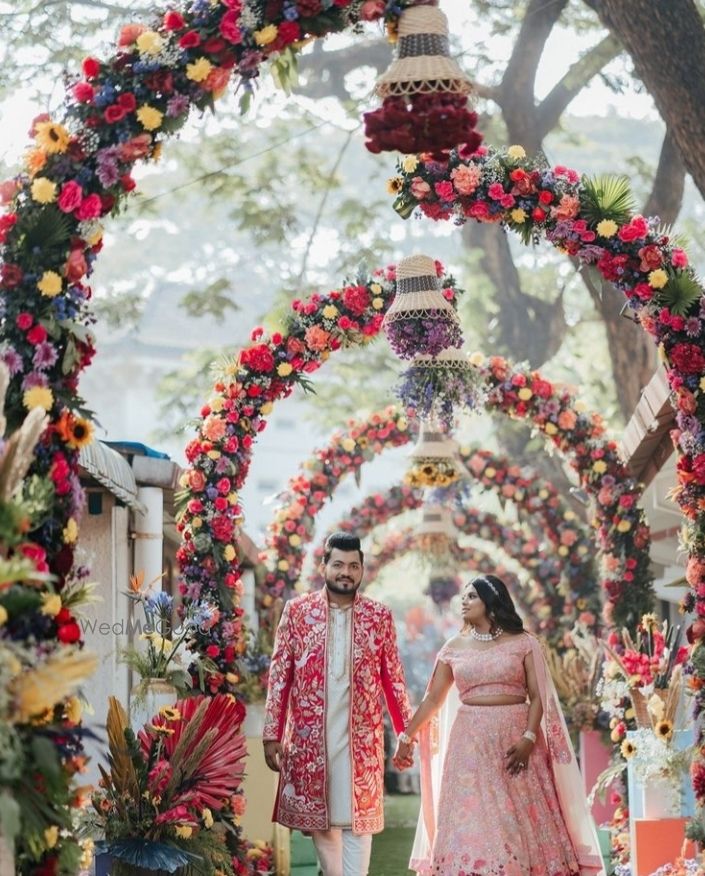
[394, 185]
[628, 749]
[52, 137]
[169, 713]
[81, 433]
[664, 730]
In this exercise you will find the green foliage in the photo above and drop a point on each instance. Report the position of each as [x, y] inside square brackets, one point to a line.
[681, 294]
[212, 300]
[607, 197]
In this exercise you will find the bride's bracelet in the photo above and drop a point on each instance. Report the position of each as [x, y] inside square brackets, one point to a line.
[405, 738]
[530, 735]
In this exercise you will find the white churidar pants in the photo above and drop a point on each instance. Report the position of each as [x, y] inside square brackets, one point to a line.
[341, 852]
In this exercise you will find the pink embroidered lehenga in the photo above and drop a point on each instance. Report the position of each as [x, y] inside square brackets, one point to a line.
[476, 818]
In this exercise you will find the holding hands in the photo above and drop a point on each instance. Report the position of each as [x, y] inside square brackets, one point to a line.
[404, 755]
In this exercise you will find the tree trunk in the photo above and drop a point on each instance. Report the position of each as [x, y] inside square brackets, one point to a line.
[666, 42]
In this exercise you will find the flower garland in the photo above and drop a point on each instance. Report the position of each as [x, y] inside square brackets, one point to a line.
[398, 543]
[621, 531]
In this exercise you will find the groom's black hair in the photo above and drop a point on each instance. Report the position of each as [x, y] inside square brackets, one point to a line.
[343, 541]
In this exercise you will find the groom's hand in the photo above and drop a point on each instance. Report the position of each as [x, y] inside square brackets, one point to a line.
[404, 756]
[273, 754]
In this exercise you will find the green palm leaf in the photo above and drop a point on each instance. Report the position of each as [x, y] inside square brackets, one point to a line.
[606, 197]
[681, 294]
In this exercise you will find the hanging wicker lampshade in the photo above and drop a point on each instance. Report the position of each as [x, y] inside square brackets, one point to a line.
[434, 460]
[423, 63]
[436, 535]
[420, 321]
[425, 93]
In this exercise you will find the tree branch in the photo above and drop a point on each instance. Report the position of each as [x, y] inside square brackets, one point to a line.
[576, 78]
[666, 196]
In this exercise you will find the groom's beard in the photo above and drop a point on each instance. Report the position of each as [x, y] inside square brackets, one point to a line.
[343, 586]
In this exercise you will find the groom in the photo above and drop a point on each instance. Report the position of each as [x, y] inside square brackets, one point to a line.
[335, 656]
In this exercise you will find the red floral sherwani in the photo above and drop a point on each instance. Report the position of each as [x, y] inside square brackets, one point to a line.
[296, 710]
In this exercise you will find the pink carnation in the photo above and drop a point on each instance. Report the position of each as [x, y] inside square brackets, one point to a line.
[70, 196]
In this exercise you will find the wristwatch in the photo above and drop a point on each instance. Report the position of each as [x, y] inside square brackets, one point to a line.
[405, 738]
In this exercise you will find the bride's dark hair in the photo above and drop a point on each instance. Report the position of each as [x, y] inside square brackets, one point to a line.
[500, 607]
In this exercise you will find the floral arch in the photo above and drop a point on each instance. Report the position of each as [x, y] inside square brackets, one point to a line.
[517, 541]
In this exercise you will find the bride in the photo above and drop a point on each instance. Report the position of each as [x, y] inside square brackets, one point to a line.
[501, 794]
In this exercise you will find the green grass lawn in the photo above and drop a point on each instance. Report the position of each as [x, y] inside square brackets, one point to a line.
[392, 847]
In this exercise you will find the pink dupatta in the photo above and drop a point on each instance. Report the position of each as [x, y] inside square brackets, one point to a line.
[566, 774]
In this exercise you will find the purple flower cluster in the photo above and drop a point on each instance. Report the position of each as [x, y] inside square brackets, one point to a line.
[412, 336]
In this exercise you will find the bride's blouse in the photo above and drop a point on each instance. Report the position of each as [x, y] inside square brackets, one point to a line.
[489, 671]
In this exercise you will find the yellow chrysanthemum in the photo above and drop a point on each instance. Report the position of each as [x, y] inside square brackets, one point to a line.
[51, 137]
[295, 540]
[518, 216]
[199, 69]
[229, 553]
[184, 831]
[607, 228]
[149, 43]
[266, 35]
[550, 428]
[284, 369]
[375, 288]
[599, 466]
[149, 117]
[628, 749]
[43, 190]
[658, 278]
[394, 185]
[525, 393]
[378, 303]
[330, 311]
[51, 604]
[70, 531]
[516, 152]
[38, 397]
[50, 284]
[624, 526]
[214, 454]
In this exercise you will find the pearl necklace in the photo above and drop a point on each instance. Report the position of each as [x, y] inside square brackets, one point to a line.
[484, 637]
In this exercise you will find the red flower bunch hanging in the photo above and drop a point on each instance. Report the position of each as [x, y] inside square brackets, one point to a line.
[422, 123]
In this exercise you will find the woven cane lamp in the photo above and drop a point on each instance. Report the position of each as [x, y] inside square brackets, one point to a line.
[425, 93]
[436, 534]
[420, 321]
[434, 459]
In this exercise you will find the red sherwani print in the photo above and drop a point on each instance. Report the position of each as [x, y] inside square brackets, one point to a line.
[296, 710]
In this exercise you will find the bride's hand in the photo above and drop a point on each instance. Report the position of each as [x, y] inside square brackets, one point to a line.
[518, 756]
[404, 756]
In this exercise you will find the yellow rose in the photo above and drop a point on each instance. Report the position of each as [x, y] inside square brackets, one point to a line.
[543, 494]
[580, 406]
[50, 285]
[295, 540]
[330, 311]
[3, 615]
[149, 43]
[516, 152]
[70, 531]
[525, 393]
[229, 553]
[599, 466]
[284, 369]
[378, 303]
[214, 454]
[38, 397]
[518, 215]
[267, 35]
[607, 228]
[658, 278]
[232, 498]
[490, 472]
[402, 424]
[563, 550]
[410, 163]
[267, 600]
[375, 288]
[43, 190]
[550, 428]
[149, 117]
[702, 384]
[569, 515]
[51, 836]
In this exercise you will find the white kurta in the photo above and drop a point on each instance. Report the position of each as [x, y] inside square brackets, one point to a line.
[338, 716]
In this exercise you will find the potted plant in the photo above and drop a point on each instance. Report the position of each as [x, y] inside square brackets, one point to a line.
[168, 798]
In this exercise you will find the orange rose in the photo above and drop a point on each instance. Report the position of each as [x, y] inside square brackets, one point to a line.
[129, 33]
[317, 338]
[567, 420]
[196, 480]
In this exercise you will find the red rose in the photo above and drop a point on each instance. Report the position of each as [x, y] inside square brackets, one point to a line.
[114, 113]
[258, 358]
[545, 197]
[212, 650]
[90, 207]
[538, 215]
[128, 101]
[160, 80]
[289, 32]
[687, 358]
[190, 39]
[229, 27]
[356, 299]
[83, 92]
[24, 321]
[90, 67]
[11, 275]
[7, 223]
[37, 335]
[174, 21]
[222, 528]
[69, 633]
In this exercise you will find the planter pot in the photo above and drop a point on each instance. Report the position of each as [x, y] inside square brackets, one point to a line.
[144, 705]
[253, 725]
